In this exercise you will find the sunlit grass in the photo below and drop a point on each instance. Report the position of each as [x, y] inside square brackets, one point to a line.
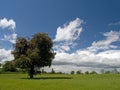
[60, 82]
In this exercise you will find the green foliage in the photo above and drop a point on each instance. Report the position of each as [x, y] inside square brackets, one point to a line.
[23, 62]
[9, 67]
[72, 72]
[79, 72]
[34, 52]
[0, 70]
[86, 72]
[93, 72]
[114, 71]
[107, 72]
[0, 64]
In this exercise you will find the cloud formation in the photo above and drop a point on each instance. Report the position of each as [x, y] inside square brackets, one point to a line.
[9, 24]
[85, 58]
[67, 35]
[8, 36]
[5, 23]
[11, 38]
[5, 55]
[107, 43]
[101, 54]
[70, 31]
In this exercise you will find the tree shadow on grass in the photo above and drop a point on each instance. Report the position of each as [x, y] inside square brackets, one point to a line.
[46, 78]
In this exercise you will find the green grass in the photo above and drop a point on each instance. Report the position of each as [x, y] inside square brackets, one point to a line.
[60, 82]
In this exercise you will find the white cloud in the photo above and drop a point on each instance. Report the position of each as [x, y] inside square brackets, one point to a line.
[101, 54]
[64, 46]
[84, 58]
[11, 38]
[111, 37]
[5, 23]
[67, 35]
[11, 24]
[70, 31]
[5, 55]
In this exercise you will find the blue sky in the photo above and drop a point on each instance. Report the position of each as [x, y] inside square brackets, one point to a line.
[98, 22]
[45, 16]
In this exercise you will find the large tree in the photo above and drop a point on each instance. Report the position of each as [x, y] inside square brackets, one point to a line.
[33, 52]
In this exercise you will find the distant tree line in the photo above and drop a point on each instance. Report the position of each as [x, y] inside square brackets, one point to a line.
[114, 71]
[9, 66]
[80, 72]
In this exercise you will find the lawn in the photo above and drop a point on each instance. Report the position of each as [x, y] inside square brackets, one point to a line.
[60, 82]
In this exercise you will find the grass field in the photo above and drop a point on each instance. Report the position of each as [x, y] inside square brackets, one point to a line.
[60, 82]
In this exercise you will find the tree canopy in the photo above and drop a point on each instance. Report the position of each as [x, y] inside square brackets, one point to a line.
[33, 52]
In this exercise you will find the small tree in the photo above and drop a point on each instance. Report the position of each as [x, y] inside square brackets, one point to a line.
[72, 72]
[79, 72]
[60, 73]
[34, 52]
[9, 67]
[53, 71]
[115, 71]
[0, 64]
[86, 72]
[93, 72]
[107, 72]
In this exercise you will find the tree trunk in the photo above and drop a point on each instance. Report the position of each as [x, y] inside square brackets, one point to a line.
[31, 73]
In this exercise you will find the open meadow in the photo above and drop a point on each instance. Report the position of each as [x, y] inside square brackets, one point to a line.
[60, 82]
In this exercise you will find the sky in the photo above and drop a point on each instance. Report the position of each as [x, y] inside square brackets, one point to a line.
[86, 33]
